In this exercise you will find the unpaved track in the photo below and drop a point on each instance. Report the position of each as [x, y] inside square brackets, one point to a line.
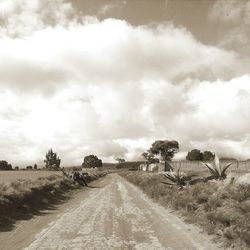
[119, 216]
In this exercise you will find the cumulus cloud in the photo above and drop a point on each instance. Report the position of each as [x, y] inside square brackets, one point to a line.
[109, 88]
[210, 115]
[111, 52]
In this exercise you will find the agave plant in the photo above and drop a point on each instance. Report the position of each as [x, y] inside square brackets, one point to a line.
[177, 178]
[217, 171]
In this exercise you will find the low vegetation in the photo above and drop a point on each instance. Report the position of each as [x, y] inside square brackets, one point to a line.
[219, 207]
[24, 198]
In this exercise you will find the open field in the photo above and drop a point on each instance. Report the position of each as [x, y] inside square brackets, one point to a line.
[11, 176]
[32, 175]
[220, 208]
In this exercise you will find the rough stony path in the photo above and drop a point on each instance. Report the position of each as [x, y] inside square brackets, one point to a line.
[119, 216]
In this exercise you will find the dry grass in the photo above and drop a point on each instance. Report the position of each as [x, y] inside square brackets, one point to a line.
[219, 208]
[22, 199]
[12, 176]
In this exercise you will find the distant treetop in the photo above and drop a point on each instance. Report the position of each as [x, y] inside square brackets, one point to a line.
[52, 161]
[92, 161]
[197, 155]
[4, 165]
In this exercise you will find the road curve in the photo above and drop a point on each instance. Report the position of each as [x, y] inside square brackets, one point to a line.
[119, 216]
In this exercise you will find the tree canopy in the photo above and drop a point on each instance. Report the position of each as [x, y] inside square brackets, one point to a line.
[166, 149]
[4, 165]
[194, 155]
[91, 161]
[208, 156]
[197, 155]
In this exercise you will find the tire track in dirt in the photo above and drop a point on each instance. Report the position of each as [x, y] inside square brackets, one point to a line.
[119, 216]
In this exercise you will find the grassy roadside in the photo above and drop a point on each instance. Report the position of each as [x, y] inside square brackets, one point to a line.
[25, 198]
[219, 208]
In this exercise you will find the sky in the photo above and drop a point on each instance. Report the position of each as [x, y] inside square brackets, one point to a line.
[111, 77]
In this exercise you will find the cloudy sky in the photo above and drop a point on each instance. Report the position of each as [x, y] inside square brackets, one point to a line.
[110, 77]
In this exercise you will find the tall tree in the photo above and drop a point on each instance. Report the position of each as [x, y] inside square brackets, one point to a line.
[52, 161]
[92, 161]
[166, 149]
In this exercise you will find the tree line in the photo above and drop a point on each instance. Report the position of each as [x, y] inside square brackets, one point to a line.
[166, 149]
[53, 162]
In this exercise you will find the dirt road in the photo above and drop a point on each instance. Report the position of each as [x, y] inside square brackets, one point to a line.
[117, 215]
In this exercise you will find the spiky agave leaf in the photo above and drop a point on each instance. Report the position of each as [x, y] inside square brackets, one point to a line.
[170, 176]
[223, 172]
[178, 173]
[167, 183]
[217, 164]
[216, 170]
[210, 168]
[179, 178]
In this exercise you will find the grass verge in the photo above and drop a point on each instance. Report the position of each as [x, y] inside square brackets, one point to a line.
[219, 208]
[25, 198]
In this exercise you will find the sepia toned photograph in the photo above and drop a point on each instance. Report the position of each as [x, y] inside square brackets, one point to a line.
[125, 125]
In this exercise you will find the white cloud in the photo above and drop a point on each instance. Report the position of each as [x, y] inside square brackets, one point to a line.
[111, 88]
[111, 52]
[21, 17]
[210, 115]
